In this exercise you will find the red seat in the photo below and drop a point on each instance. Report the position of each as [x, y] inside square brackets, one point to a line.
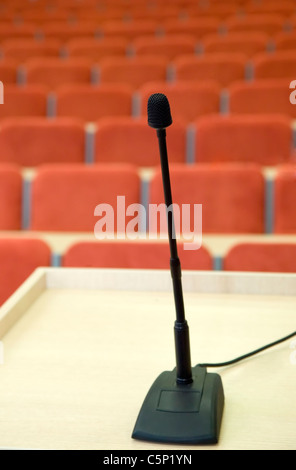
[134, 71]
[248, 43]
[264, 257]
[285, 200]
[53, 72]
[10, 197]
[91, 103]
[266, 23]
[24, 101]
[168, 46]
[96, 49]
[281, 64]
[8, 71]
[19, 257]
[33, 141]
[137, 254]
[64, 197]
[222, 68]
[21, 50]
[198, 27]
[129, 29]
[188, 99]
[232, 197]
[132, 141]
[261, 139]
[64, 31]
[285, 41]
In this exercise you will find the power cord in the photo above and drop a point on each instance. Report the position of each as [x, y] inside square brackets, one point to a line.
[240, 358]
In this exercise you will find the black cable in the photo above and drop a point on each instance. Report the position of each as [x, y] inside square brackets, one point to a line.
[240, 358]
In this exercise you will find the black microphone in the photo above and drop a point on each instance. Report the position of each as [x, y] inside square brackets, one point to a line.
[184, 405]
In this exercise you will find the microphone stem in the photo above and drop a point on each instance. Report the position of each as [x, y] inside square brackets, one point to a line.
[183, 359]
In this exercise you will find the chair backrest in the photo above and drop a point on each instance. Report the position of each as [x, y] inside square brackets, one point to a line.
[65, 197]
[267, 23]
[22, 50]
[24, 101]
[34, 141]
[134, 71]
[19, 257]
[261, 139]
[198, 27]
[231, 195]
[188, 99]
[129, 140]
[10, 197]
[137, 254]
[168, 46]
[129, 29]
[248, 43]
[223, 68]
[262, 96]
[264, 257]
[8, 71]
[280, 64]
[92, 103]
[285, 199]
[285, 41]
[96, 49]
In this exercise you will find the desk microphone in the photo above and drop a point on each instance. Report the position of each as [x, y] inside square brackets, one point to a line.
[185, 405]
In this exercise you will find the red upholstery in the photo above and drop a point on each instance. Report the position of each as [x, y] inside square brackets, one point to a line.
[64, 197]
[96, 49]
[10, 197]
[198, 27]
[267, 23]
[91, 103]
[232, 196]
[168, 46]
[8, 71]
[265, 257]
[33, 141]
[264, 139]
[127, 140]
[248, 43]
[138, 254]
[19, 257]
[285, 200]
[281, 64]
[188, 99]
[24, 49]
[24, 101]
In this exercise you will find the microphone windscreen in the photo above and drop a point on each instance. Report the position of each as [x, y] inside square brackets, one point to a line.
[159, 112]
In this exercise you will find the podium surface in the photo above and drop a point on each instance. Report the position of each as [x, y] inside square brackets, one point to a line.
[81, 348]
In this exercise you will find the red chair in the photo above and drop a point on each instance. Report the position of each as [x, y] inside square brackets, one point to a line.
[22, 50]
[285, 200]
[188, 99]
[222, 68]
[127, 140]
[10, 197]
[8, 71]
[137, 254]
[24, 101]
[261, 139]
[91, 103]
[129, 29]
[194, 26]
[64, 197]
[285, 41]
[232, 197]
[134, 71]
[64, 31]
[281, 64]
[30, 142]
[96, 49]
[20, 31]
[19, 257]
[53, 72]
[167, 46]
[248, 43]
[264, 257]
[266, 23]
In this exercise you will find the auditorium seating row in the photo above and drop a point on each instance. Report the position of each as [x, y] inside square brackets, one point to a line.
[235, 198]
[19, 257]
[266, 140]
[223, 67]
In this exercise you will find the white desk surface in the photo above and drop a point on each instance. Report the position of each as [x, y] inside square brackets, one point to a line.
[83, 346]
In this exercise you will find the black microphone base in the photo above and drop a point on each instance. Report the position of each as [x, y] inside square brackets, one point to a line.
[182, 414]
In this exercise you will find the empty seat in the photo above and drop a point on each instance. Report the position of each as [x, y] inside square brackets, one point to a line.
[53, 72]
[168, 46]
[266, 23]
[281, 64]
[285, 200]
[19, 257]
[17, 30]
[134, 71]
[137, 254]
[96, 49]
[10, 197]
[223, 68]
[188, 99]
[283, 8]
[285, 41]
[21, 50]
[262, 139]
[262, 96]
[33, 141]
[194, 26]
[24, 101]
[132, 141]
[91, 103]
[64, 31]
[231, 195]
[129, 29]
[8, 71]
[248, 43]
[64, 197]
[264, 257]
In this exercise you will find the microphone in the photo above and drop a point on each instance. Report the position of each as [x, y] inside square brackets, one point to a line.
[185, 405]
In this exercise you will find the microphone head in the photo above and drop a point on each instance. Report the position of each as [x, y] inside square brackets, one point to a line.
[159, 112]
